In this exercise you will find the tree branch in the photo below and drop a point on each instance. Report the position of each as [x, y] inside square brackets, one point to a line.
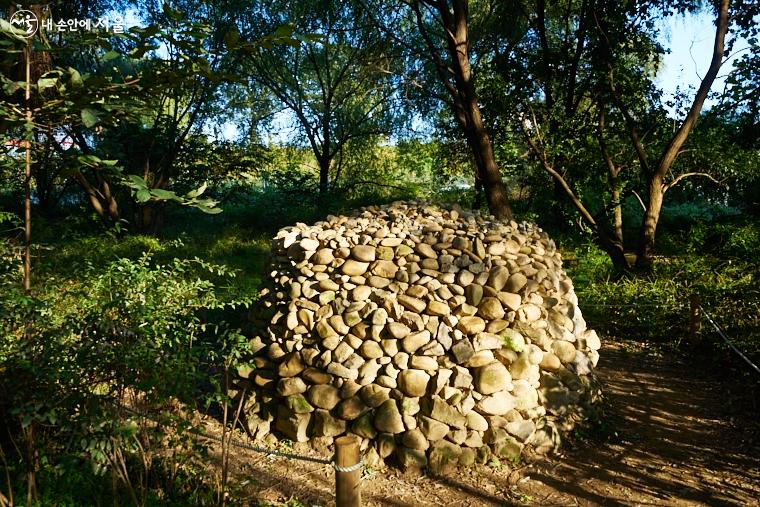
[683, 176]
[671, 151]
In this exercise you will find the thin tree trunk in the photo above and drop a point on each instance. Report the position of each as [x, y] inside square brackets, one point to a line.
[613, 176]
[656, 179]
[29, 431]
[609, 244]
[324, 176]
[617, 210]
[28, 179]
[101, 198]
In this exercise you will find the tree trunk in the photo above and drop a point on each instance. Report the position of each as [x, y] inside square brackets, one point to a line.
[656, 179]
[651, 218]
[613, 176]
[617, 210]
[152, 218]
[614, 249]
[477, 201]
[488, 171]
[324, 176]
[611, 245]
[476, 134]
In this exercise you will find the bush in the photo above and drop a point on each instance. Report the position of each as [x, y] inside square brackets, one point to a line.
[101, 372]
[714, 260]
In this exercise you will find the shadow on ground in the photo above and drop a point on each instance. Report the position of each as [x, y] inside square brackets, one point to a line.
[675, 445]
[672, 441]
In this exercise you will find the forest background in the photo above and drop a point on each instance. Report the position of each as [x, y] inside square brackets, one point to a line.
[160, 146]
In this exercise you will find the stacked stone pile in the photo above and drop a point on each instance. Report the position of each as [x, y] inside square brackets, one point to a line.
[438, 336]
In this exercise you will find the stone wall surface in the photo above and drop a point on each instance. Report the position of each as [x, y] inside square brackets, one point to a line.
[436, 335]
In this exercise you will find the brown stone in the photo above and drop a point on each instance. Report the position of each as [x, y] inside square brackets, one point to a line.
[413, 383]
[363, 253]
[490, 309]
[353, 267]
[291, 366]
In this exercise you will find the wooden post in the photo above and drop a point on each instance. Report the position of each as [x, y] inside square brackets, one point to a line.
[347, 454]
[696, 322]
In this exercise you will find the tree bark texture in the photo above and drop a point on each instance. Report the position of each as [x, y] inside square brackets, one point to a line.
[454, 22]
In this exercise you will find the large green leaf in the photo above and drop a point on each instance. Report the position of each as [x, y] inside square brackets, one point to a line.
[197, 192]
[89, 117]
[76, 77]
[136, 181]
[10, 31]
[208, 210]
[46, 82]
[160, 193]
[143, 195]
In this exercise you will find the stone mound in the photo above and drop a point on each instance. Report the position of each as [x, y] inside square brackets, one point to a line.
[436, 335]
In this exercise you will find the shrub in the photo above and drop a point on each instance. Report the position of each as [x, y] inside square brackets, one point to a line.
[102, 370]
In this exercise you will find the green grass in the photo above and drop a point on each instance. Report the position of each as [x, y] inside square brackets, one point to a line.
[239, 237]
[62, 258]
[715, 260]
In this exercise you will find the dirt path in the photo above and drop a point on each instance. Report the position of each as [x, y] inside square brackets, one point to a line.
[673, 442]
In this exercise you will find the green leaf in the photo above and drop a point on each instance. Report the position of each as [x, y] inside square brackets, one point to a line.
[172, 13]
[90, 160]
[162, 194]
[76, 77]
[9, 30]
[136, 181]
[46, 82]
[197, 192]
[110, 55]
[143, 195]
[89, 117]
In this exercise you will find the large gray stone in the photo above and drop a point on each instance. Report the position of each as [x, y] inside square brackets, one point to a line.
[388, 418]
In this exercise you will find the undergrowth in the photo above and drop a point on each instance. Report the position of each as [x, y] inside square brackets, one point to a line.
[114, 313]
[716, 261]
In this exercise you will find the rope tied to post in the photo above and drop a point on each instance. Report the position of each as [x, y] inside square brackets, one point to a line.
[352, 468]
[288, 455]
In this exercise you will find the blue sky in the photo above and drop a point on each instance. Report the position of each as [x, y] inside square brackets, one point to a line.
[690, 39]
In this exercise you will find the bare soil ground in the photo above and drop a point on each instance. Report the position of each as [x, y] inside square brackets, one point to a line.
[671, 435]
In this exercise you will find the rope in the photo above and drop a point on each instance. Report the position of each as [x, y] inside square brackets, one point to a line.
[630, 305]
[288, 455]
[352, 468]
[271, 452]
[725, 338]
